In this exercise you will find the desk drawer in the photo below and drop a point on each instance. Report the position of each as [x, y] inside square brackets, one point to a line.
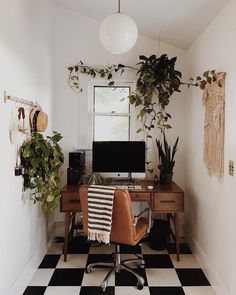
[70, 201]
[142, 197]
[168, 202]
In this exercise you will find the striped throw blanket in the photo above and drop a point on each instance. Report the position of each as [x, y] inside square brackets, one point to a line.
[100, 205]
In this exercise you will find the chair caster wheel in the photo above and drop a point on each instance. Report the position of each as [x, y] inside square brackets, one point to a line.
[142, 265]
[140, 286]
[88, 270]
[103, 288]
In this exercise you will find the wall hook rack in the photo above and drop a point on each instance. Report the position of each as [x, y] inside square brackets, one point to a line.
[19, 100]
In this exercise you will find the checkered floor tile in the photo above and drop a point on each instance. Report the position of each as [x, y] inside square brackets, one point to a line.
[163, 274]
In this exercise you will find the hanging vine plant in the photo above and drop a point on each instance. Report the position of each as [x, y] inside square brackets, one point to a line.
[41, 158]
[157, 81]
[105, 73]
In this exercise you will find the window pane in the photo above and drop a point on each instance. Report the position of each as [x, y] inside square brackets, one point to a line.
[111, 128]
[108, 99]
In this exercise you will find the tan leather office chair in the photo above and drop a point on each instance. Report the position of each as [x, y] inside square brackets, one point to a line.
[126, 229]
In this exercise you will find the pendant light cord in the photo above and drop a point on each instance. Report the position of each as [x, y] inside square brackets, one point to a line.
[118, 6]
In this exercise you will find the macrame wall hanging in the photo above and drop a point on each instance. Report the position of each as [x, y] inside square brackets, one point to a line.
[214, 102]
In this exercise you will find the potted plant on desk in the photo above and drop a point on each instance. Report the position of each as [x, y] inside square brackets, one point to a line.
[166, 157]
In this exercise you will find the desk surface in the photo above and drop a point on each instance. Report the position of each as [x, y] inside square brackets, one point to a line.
[170, 188]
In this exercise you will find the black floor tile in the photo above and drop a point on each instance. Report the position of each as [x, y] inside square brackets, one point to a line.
[78, 245]
[92, 258]
[183, 248]
[166, 291]
[67, 277]
[50, 261]
[125, 278]
[96, 291]
[192, 277]
[157, 261]
[125, 249]
[34, 290]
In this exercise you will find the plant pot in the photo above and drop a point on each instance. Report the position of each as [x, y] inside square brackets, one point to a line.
[166, 178]
[91, 178]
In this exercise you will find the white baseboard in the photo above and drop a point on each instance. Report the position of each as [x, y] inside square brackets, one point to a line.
[25, 276]
[212, 275]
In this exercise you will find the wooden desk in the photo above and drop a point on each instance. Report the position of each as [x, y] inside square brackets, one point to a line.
[162, 199]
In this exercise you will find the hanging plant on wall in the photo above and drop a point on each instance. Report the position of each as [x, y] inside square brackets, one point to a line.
[41, 158]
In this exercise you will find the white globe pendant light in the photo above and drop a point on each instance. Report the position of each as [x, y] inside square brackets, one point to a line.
[118, 32]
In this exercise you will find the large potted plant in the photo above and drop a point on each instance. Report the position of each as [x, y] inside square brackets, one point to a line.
[166, 159]
[41, 159]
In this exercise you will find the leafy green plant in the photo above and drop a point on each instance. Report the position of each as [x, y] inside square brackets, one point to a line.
[157, 81]
[209, 77]
[41, 158]
[92, 178]
[166, 155]
[106, 72]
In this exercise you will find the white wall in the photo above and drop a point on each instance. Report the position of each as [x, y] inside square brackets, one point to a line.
[77, 39]
[25, 58]
[210, 211]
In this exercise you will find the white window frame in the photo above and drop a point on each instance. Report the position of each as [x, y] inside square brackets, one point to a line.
[132, 116]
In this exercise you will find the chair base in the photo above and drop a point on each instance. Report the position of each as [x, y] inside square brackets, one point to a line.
[116, 266]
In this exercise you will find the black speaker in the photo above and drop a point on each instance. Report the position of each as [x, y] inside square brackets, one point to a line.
[77, 159]
[74, 176]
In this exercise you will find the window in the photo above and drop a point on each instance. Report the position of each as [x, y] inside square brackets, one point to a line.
[111, 113]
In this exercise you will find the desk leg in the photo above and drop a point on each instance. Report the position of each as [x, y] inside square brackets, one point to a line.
[177, 234]
[67, 224]
[169, 231]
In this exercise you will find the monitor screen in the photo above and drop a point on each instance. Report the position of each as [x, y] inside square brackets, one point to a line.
[119, 156]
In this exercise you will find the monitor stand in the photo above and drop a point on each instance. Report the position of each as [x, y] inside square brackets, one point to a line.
[130, 179]
[126, 181]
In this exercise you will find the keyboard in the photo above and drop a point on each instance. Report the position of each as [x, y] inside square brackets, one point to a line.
[129, 186]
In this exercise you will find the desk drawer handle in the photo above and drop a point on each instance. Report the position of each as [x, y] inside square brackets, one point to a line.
[167, 201]
[74, 201]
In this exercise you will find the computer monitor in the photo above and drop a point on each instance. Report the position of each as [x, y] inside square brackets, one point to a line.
[119, 156]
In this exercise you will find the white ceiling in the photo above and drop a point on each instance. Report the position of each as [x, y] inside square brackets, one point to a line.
[178, 22]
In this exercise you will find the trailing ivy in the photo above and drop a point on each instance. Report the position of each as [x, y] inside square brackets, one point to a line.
[106, 73]
[41, 158]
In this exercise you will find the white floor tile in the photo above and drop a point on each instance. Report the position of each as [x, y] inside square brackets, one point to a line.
[131, 291]
[55, 248]
[103, 249]
[162, 277]
[73, 261]
[96, 276]
[41, 277]
[186, 261]
[147, 250]
[62, 291]
[205, 290]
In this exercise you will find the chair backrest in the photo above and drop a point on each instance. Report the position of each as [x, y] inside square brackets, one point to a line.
[123, 230]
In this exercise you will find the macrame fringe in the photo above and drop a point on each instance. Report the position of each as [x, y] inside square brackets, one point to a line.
[214, 102]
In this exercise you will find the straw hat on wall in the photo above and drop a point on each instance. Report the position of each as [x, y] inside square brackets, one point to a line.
[38, 120]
